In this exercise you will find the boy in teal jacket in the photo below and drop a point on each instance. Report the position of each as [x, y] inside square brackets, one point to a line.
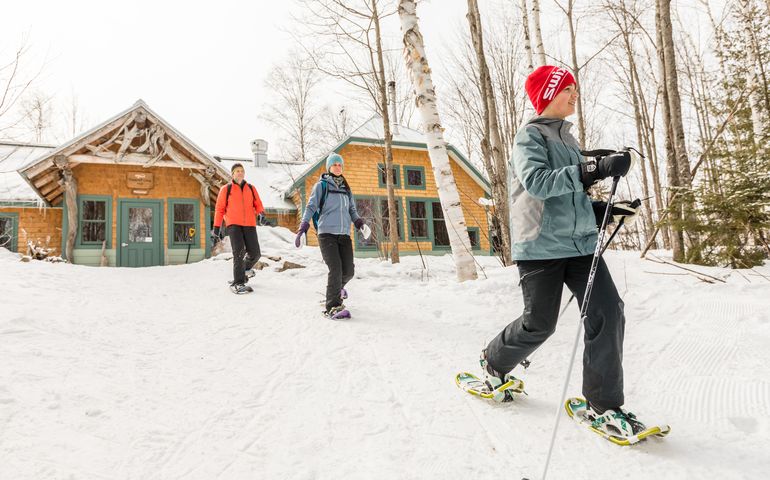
[553, 236]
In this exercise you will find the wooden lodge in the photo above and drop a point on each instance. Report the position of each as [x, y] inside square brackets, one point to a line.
[136, 192]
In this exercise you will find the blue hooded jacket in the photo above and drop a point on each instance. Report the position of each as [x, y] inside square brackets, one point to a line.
[339, 210]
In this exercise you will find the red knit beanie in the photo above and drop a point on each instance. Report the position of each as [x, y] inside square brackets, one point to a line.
[545, 83]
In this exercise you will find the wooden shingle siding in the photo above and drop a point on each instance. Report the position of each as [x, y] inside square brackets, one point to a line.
[361, 172]
[37, 225]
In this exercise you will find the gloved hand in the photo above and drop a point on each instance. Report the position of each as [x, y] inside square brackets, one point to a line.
[621, 209]
[261, 219]
[359, 223]
[216, 236]
[613, 165]
[303, 228]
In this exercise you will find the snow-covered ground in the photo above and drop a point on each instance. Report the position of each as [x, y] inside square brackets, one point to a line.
[162, 373]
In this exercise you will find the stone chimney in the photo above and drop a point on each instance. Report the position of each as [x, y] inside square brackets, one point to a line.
[259, 149]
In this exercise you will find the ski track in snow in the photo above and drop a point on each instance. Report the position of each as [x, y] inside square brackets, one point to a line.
[162, 373]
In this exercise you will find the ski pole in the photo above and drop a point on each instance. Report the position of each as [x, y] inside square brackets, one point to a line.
[583, 315]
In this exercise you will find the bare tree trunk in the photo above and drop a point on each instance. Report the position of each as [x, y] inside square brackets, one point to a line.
[70, 184]
[491, 143]
[539, 47]
[419, 72]
[646, 210]
[392, 205]
[677, 237]
[527, 40]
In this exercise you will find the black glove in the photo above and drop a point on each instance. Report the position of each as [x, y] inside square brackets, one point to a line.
[623, 208]
[613, 165]
[216, 236]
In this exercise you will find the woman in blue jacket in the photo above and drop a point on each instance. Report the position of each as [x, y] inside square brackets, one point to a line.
[333, 201]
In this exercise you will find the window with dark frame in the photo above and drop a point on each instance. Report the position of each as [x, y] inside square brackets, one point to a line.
[366, 209]
[183, 216]
[415, 177]
[440, 234]
[383, 179]
[93, 228]
[418, 219]
[7, 232]
[385, 215]
[474, 238]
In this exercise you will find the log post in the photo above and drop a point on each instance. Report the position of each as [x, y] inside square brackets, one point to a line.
[70, 185]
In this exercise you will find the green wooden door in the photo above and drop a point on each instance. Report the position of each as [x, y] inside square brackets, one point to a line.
[141, 234]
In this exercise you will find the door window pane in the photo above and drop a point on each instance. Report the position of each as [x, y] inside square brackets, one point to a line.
[140, 224]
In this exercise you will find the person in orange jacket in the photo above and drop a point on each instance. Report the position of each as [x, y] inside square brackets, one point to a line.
[238, 203]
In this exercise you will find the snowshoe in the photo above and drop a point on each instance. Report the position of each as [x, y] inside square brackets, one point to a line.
[337, 313]
[240, 289]
[618, 426]
[494, 380]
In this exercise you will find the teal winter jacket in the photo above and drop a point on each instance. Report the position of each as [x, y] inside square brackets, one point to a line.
[551, 214]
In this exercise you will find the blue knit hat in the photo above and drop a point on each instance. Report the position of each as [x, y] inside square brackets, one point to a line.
[332, 159]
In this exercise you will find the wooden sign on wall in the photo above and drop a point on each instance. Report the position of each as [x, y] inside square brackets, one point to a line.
[140, 180]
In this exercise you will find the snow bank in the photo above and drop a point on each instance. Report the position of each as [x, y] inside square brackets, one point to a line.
[163, 373]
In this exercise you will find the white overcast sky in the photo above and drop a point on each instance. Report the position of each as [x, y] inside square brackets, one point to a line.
[201, 65]
[198, 64]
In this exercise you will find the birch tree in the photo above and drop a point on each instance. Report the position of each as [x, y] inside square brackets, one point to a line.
[425, 102]
[525, 30]
[539, 47]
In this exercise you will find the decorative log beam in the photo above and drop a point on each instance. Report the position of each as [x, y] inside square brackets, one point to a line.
[45, 190]
[49, 177]
[134, 159]
[70, 185]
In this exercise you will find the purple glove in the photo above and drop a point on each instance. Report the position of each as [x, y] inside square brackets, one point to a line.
[359, 223]
[303, 228]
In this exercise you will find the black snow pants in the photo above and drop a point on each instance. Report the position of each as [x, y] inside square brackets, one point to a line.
[337, 252]
[246, 250]
[541, 285]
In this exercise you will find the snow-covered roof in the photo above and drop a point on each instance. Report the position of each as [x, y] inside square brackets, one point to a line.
[271, 181]
[373, 129]
[13, 157]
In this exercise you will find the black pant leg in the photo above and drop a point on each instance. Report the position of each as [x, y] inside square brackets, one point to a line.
[604, 331]
[238, 243]
[253, 252]
[542, 282]
[330, 252]
[346, 257]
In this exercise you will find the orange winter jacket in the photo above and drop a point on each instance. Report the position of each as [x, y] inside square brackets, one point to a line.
[242, 208]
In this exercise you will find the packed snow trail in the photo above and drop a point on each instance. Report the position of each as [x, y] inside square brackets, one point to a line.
[163, 373]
